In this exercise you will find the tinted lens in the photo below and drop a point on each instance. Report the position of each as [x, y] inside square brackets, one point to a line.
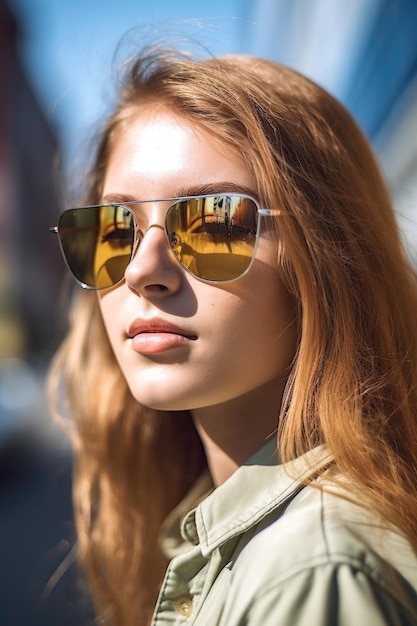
[97, 243]
[213, 237]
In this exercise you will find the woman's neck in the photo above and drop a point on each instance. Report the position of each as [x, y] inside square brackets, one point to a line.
[233, 431]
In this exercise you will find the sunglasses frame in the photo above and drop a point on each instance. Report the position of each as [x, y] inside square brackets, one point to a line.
[260, 211]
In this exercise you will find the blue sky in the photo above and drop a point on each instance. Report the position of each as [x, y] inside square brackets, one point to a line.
[68, 46]
[362, 52]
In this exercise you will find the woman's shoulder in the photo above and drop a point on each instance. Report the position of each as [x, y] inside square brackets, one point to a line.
[285, 527]
[325, 557]
[325, 522]
[323, 544]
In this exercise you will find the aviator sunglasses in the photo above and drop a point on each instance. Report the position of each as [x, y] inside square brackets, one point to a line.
[213, 237]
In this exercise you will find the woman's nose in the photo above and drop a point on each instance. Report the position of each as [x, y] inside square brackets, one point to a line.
[153, 268]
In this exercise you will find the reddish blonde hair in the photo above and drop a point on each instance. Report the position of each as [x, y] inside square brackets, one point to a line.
[353, 385]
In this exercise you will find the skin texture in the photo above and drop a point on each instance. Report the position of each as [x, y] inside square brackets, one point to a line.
[221, 351]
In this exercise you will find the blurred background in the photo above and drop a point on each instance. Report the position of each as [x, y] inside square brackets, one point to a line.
[57, 66]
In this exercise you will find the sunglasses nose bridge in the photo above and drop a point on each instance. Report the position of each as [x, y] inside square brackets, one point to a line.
[154, 214]
[151, 213]
[147, 216]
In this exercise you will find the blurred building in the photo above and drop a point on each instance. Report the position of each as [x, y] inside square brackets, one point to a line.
[40, 584]
[364, 53]
[29, 271]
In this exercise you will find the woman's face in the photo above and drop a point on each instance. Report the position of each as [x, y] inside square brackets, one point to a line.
[182, 343]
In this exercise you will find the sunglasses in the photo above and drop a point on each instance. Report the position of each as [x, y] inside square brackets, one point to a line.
[213, 237]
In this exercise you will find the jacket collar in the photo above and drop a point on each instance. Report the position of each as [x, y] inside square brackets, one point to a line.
[257, 488]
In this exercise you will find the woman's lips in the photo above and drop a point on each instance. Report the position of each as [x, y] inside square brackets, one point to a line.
[155, 337]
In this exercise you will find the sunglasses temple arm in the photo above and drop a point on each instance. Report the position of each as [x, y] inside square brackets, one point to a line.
[270, 212]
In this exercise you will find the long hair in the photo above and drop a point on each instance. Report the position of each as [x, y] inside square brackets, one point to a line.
[353, 384]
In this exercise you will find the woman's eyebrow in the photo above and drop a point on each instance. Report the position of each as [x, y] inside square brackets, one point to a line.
[117, 198]
[215, 187]
[183, 192]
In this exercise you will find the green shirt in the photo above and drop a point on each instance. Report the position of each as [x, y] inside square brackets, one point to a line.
[262, 550]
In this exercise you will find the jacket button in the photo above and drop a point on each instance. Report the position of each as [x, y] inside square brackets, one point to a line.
[184, 606]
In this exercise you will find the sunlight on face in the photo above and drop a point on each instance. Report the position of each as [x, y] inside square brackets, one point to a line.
[182, 343]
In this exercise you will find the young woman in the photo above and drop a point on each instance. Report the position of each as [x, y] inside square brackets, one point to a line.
[241, 365]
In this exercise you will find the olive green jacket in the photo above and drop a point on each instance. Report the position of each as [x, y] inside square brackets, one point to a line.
[262, 550]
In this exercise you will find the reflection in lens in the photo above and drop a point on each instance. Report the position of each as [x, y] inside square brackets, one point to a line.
[97, 243]
[213, 237]
[114, 245]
